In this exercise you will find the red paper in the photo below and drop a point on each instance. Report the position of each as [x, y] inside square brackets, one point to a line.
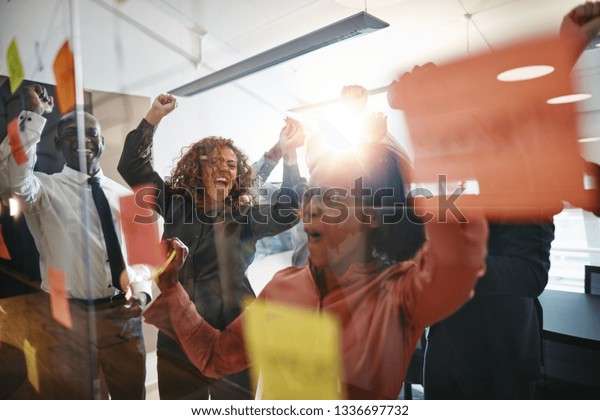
[469, 126]
[16, 146]
[140, 227]
[59, 302]
[64, 72]
[3, 249]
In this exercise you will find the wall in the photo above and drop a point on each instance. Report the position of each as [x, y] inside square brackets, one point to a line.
[225, 111]
[118, 114]
[587, 75]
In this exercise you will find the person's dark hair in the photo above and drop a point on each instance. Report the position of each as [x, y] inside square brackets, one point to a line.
[401, 234]
[186, 178]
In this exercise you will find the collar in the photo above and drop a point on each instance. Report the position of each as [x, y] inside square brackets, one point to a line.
[358, 273]
[79, 177]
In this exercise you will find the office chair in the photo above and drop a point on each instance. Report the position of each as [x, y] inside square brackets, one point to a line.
[592, 279]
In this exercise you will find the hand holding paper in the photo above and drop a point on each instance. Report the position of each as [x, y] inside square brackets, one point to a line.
[178, 253]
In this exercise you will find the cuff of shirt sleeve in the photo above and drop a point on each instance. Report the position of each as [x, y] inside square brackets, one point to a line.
[30, 128]
[142, 287]
[147, 134]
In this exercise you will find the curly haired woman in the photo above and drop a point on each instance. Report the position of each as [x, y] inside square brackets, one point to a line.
[207, 204]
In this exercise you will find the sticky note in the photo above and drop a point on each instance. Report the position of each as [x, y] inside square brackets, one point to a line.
[296, 352]
[59, 302]
[468, 124]
[3, 249]
[140, 228]
[64, 73]
[14, 66]
[31, 363]
[16, 146]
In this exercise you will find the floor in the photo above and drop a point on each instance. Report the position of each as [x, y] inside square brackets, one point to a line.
[151, 377]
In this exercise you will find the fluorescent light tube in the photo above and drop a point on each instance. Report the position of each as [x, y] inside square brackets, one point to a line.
[350, 27]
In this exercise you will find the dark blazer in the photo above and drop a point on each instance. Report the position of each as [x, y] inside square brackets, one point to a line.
[491, 347]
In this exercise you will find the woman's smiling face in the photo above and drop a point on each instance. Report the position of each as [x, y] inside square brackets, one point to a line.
[219, 171]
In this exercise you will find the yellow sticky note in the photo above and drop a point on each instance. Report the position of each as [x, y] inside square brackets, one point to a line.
[296, 352]
[14, 66]
[31, 361]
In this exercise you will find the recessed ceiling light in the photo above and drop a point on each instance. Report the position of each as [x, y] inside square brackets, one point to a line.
[569, 98]
[371, 4]
[589, 139]
[524, 73]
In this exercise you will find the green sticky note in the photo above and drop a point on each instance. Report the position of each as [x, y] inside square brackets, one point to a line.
[14, 65]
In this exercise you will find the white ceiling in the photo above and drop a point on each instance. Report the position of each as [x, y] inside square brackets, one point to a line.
[118, 56]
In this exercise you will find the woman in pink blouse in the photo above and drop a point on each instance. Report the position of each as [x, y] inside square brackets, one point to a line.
[369, 265]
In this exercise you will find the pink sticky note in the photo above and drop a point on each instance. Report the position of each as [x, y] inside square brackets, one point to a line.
[64, 72]
[470, 123]
[3, 249]
[16, 146]
[59, 303]
[140, 227]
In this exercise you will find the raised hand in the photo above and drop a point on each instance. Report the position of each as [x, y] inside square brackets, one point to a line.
[162, 105]
[581, 25]
[290, 138]
[37, 100]
[355, 95]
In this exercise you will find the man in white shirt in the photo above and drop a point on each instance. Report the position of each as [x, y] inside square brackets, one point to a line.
[61, 214]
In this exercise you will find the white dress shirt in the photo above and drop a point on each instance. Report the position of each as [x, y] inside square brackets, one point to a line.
[54, 212]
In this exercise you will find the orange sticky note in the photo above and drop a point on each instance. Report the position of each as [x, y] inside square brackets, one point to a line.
[16, 146]
[3, 249]
[64, 72]
[470, 126]
[31, 363]
[59, 303]
[140, 227]
[14, 66]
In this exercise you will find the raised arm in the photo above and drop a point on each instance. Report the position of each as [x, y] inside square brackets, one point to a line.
[263, 167]
[580, 26]
[447, 268]
[18, 178]
[271, 219]
[135, 164]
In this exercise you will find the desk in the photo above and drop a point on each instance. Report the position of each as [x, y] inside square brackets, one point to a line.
[571, 344]
[572, 318]
[65, 357]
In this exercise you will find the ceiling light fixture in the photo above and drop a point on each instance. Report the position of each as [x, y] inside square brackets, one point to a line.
[589, 140]
[567, 99]
[524, 73]
[359, 24]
